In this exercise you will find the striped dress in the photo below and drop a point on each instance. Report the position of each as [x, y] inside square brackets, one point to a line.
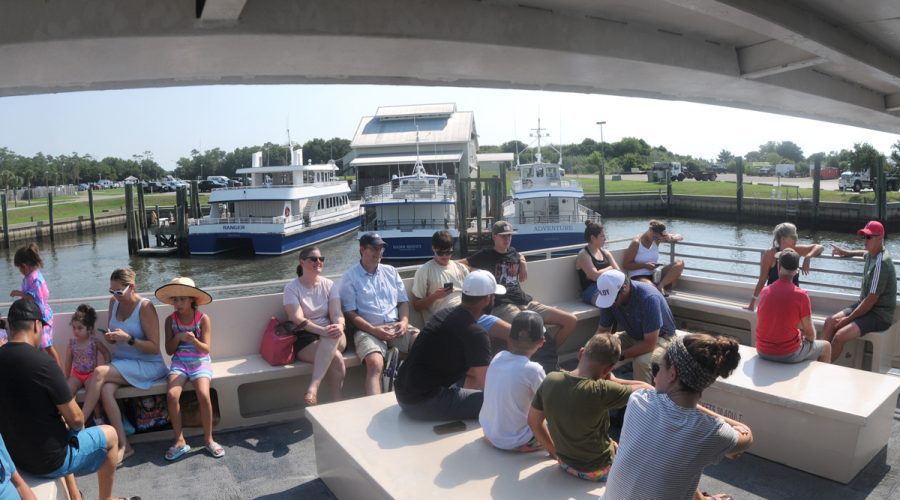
[187, 361]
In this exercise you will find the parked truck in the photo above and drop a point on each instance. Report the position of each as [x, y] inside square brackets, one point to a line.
[857, 181]
[679, 172]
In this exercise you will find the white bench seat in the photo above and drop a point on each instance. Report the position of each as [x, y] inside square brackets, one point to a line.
[824, 419]
[366, 448]
[711, 307]
[45, 489]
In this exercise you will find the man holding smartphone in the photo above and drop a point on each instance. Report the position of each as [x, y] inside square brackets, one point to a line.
[438, 285]
[451, 349]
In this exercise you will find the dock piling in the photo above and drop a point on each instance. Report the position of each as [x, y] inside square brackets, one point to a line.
[91, 207]
[817, 179]
[130, 230]
[142, 219]
[5, 220]
[739, 167]
[50, 209]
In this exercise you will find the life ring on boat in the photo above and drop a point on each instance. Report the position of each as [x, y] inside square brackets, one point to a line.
[287, 212]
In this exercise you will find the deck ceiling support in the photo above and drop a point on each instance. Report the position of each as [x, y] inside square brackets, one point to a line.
[773, 57]
[221, 12]
[794, 26]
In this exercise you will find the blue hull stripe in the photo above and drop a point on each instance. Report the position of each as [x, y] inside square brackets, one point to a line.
[269, 244]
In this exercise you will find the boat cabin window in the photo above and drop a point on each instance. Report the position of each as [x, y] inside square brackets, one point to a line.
[539, 172]
[526, 172]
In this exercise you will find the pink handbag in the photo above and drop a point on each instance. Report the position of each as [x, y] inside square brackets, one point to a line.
[277, 346]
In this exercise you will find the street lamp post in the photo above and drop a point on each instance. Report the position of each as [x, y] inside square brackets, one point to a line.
[602, 185]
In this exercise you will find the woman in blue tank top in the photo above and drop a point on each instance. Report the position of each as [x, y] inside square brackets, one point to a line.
[136, 359]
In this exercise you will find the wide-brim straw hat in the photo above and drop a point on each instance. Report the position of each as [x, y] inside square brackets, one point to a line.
[182, 287]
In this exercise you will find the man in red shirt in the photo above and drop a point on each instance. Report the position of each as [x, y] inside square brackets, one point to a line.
[784, 331]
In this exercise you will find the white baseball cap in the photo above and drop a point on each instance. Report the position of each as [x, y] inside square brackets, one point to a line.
[608, 287]
[481, 284]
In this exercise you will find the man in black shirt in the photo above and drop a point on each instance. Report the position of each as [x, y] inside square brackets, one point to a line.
[510, 270]
[39, 419]
[451, 347]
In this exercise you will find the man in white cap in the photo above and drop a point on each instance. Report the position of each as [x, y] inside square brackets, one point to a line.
[874, 311]
[451, 348]
[641, 311]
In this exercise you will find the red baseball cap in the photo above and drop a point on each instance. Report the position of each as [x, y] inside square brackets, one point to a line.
[873, 227]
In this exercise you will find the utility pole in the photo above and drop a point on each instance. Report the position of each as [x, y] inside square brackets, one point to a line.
[602, 185]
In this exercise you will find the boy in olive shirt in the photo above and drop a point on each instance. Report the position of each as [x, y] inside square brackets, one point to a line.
[576, 407]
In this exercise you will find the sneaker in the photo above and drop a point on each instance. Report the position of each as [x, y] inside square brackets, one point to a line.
[391, 363]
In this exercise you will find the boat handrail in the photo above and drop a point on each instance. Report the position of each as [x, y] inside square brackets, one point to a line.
[409, 224]
[246, 220]
[557, 219]
[386, 191]
[270, 186]
[532, 182]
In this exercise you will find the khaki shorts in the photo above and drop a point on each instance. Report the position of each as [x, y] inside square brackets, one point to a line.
[366, 343]
[507, 312]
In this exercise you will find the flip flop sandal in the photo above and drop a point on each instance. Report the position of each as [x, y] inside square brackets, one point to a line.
[176, 452]
[125, 457]
[215, 450]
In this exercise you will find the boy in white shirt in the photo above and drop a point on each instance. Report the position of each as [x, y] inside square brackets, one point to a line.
[510, 385]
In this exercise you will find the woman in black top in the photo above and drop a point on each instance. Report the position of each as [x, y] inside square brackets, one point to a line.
[593, 260]
[784, 236]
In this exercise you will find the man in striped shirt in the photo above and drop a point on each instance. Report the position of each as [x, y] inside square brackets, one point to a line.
[874, 311]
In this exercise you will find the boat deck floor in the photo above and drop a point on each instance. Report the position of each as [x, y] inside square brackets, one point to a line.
[278, 462]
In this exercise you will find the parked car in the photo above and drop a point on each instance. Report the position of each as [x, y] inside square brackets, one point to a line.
[152, 187]
[764, 171]
[208, 185]
[235, 183]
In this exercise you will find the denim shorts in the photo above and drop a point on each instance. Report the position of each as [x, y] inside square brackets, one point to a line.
[808, 351]
[88, 457]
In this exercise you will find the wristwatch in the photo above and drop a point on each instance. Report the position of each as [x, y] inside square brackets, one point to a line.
[131, 340]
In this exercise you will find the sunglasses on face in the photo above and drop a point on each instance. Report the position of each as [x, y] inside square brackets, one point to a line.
[121, 292]
[443, 253]
[314, 259]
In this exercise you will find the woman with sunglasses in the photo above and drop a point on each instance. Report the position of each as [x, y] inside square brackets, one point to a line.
[136, 360]
[783, 237]
[667, 437]
[312, 302]
[593, 260]
[642, 258]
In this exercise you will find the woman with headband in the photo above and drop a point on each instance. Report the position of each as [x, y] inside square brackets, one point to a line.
[667, 438]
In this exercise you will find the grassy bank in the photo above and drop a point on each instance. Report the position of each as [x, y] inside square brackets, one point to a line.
[695, 188]
[66, 207]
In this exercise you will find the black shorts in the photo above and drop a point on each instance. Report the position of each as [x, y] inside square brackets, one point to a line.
[304, 339]
[868, 322]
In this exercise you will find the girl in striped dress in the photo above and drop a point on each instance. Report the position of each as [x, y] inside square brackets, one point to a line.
[188, 341]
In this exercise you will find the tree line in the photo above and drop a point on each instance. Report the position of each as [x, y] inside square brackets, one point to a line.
[218, 162]
[22, 171]
[633, 154]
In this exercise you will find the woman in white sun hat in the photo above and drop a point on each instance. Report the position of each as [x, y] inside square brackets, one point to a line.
[188, 341]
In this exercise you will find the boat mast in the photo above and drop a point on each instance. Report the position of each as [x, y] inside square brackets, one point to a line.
[538, 132]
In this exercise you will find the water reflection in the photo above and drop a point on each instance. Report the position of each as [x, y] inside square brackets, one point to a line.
[80, 265]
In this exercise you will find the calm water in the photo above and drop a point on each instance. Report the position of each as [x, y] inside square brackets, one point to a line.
[79, 266]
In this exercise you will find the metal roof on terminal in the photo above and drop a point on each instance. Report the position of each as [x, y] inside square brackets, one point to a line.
[455, 127]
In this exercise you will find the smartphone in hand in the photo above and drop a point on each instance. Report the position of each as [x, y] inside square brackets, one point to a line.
[450, 427]
[448, 286]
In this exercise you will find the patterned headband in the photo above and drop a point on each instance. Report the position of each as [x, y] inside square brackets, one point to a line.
[691, 374]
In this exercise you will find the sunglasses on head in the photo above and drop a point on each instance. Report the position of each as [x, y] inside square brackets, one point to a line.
[870, 236]
[121, 292]
[654, 368]
[443, 253]
[313, 259]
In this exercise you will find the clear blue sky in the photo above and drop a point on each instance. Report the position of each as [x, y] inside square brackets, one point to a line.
[170, 122]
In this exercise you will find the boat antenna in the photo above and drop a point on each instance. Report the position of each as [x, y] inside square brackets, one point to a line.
[560, 141]
[539, 132]
[516, 139]
[290, 145]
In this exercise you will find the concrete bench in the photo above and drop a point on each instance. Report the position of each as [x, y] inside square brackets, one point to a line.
[719, 306]
[820, 418]
[365, 448]
[250, 392]
[45, 489]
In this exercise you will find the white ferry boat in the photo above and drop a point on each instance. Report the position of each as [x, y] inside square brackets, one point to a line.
[544, 208]
[283, 209]
[408, 210]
